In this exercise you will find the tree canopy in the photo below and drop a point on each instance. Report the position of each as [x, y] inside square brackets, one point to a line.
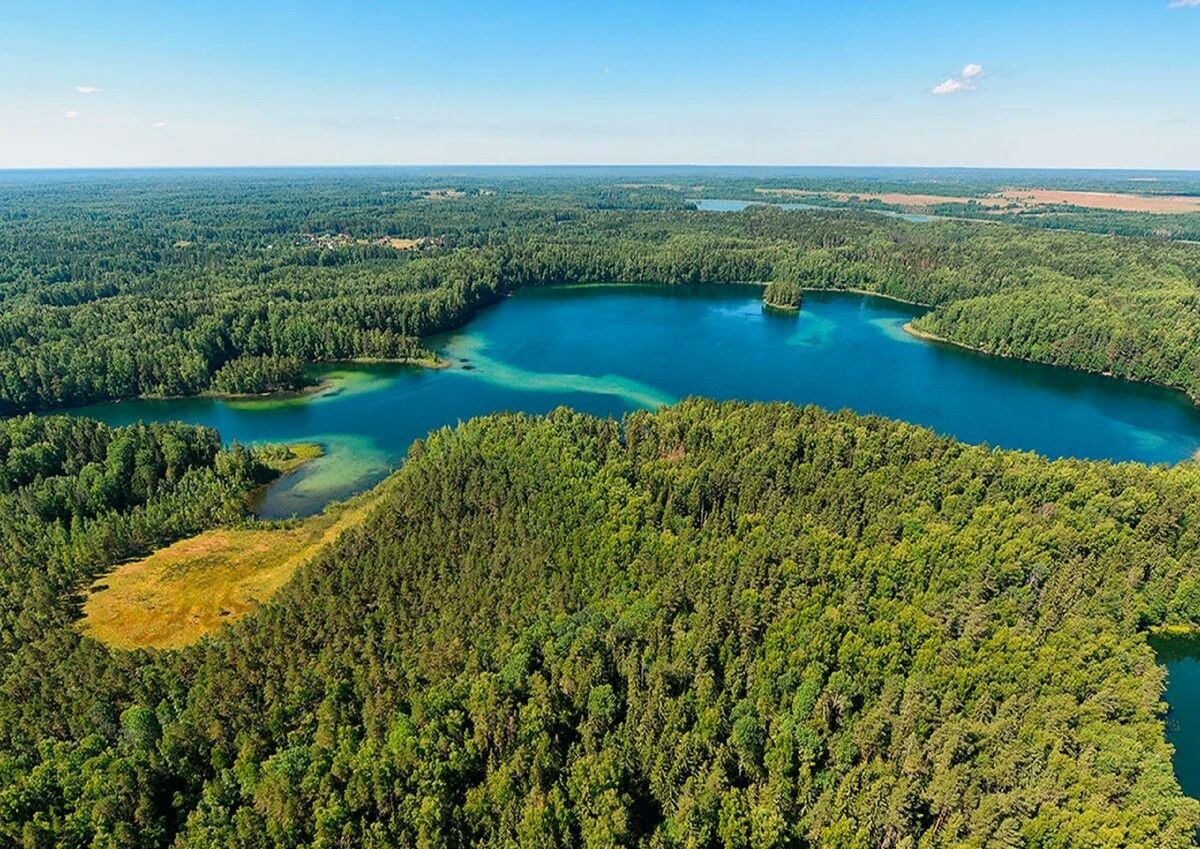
[735, 625]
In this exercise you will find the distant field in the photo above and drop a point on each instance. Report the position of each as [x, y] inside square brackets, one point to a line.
[180, 593]
[1026, 199]
[896, 198]
[1105, 200]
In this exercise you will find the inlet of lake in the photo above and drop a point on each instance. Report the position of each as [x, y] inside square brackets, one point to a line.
[610, 349]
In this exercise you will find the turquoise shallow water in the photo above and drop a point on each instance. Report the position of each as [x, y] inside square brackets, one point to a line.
[610, 349]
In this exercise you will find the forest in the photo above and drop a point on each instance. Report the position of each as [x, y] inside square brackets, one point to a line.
[714, 625]
[170, 284]
[742, 625]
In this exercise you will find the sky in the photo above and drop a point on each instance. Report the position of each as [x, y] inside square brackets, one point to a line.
[1055, 83]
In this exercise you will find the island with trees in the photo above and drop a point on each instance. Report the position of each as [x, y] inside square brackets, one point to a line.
[783, 296]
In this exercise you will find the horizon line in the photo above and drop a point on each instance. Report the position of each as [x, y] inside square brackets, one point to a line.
[607, 165]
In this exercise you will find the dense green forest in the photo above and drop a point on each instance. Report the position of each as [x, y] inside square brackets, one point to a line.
[715, 625]
[113, 287]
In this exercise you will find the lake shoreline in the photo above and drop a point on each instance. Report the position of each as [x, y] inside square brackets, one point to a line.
[434, 363]
[573, 360]
[302, 453]
[933, 337]
[762, 284]
[883, 295]
[299, 392]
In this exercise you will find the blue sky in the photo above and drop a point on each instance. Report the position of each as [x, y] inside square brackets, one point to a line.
[164, 82]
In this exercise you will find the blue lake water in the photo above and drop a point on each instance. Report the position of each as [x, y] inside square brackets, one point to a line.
[1181, 656]
[610, 349]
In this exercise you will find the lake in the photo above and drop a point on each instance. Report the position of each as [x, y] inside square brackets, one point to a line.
[610, 349]
[729, 205]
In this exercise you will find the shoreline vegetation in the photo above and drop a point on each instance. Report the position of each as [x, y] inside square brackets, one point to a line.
[283, 459]
[432, 362]
[1175, 630]
[291, 456]
[873, 294]
[927, 336]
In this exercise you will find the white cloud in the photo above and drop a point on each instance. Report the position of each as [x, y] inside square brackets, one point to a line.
[71, 113]
[1183, 4]
[158, 125]
[952, 86]
[964, 81]
[88, 89]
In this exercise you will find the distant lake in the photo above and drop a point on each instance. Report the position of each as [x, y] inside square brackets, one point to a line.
[610, 349]
[728, 205]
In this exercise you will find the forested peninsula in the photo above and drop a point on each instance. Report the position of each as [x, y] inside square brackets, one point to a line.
[116, 289]
[719, 624]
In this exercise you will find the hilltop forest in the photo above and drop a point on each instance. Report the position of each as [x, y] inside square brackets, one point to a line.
[717, 625]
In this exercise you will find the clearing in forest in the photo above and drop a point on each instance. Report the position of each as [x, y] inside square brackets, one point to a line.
[182, 592]
[893, 198]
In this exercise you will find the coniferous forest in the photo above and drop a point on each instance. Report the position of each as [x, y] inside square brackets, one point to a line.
[743, 625]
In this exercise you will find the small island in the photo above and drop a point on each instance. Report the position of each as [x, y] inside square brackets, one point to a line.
[260, 375]
[783, 296]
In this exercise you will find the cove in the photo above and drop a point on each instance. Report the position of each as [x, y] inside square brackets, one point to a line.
[609, 349]
[1180, 654]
